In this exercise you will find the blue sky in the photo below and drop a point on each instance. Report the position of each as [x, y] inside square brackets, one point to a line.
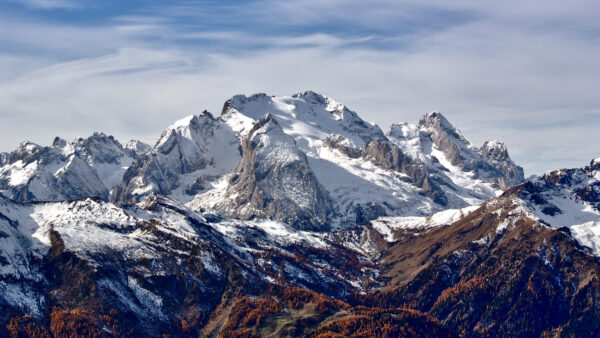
[524, 72]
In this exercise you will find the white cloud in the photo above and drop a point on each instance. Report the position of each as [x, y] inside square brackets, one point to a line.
[498, 76]
[49, 4]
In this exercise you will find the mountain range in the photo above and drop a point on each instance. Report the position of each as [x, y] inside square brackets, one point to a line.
[292, 216]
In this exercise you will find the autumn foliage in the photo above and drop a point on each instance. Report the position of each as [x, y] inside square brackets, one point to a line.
[247, 314]
[297, 298]
[25, 327]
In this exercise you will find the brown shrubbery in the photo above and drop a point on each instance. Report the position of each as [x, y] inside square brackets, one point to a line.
[70, 323]
[296, 298]
[247, 314]
[382, 323]
[25, 327]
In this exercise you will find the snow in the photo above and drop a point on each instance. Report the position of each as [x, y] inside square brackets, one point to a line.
[208, 262]
[383, 229]
[21, 175]
[307, 118]
[182, 124]
[485, 241]
[111, 174]
[66, 170]
[277, 232]
[579, 216]
[414, 140]
[274, 146]
[386, 226]
[469, 188]
[495, 144]
[150, 301]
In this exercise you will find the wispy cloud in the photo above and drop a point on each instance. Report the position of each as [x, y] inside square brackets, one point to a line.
[519, 73]
[49, 4]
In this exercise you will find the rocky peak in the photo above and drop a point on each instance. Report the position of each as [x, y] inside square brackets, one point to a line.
[239, 101]
[494, 150]
[26, 151]
[565, 197]
[59, 142]
[491, 162]
[595, 164]
[137, 148]
[264, 125]
[457, 149]
[495, 154]
[100, 148]
[438, 122]
[193, 144]
[311, 97]
[273, 180]
[183, 144]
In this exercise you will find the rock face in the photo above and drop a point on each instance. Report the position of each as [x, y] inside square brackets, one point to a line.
[496, 156]
[66, 170]
[273, 180]
[457, 149]
[567, 198]
[391, 157]
[189, 152]
[450, 155]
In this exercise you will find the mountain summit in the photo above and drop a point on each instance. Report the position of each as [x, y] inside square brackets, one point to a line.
[347, 169]
[288, 216]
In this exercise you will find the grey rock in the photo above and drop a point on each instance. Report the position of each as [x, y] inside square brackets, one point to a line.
[274, 181]
[184, 148]
[368, 212]
[65, 170]
[343, 145]
[490, 162]
[390, 156]
[495, 154]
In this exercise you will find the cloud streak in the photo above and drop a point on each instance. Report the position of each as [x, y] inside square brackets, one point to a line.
[496, 72]
[48, 4]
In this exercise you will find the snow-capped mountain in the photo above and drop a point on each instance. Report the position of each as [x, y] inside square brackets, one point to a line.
[568, 198]
[365, 173]
[289, 216]
[188, 156]
[355, 170]
[66, 170]
[274, 181]
[155, 261]
[523, 263]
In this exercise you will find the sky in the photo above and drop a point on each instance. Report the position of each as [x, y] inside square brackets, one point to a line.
[524, 72]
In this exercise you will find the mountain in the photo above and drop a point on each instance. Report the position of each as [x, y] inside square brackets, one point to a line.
[523, 263]
[292, 216]
[188, 156]
[274, 180]
[355, 172]
[352, 162]
[66, 170]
